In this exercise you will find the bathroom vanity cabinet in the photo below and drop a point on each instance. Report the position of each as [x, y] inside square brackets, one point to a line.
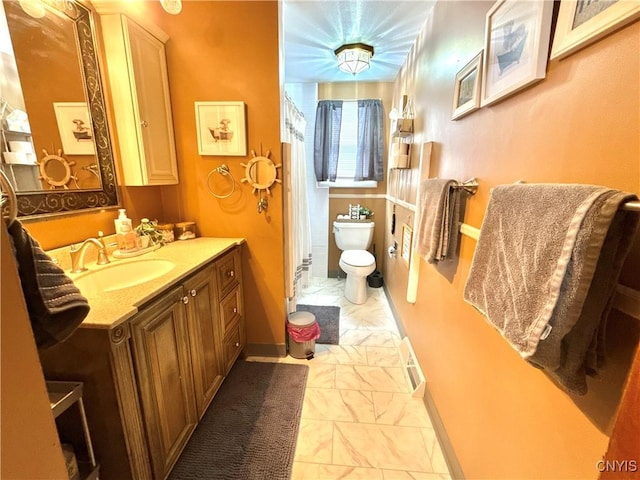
[149, 380]
[137, 72]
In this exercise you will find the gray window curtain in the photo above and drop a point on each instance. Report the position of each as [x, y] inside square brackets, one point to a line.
[370, 132]
[326, 144]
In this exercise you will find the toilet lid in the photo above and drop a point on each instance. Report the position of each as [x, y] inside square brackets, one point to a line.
[357, 258]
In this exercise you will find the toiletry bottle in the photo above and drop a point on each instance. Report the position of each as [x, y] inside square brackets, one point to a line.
[125, 235]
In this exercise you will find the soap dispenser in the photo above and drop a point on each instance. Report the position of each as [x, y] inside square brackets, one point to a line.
[125, 235]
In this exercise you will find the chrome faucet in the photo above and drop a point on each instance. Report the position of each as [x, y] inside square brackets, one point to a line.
[77, 254]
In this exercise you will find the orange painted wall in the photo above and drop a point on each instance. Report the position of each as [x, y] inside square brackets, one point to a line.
[217, 51]
[504, 418]
[30, 444]
[228, 51]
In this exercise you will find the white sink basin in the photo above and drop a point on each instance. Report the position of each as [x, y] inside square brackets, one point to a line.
[117, 276]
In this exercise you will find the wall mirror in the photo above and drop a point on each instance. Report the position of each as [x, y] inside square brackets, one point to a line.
[261, 173]
[52, 102]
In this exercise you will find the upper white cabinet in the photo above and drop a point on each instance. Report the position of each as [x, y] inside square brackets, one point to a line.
[137, 71]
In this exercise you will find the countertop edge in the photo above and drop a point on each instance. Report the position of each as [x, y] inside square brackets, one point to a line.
[141, 296]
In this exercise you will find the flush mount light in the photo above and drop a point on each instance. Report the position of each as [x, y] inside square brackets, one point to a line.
[354, 58]
[173, 7]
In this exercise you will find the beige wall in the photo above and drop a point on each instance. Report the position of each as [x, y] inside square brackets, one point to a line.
[504, 418]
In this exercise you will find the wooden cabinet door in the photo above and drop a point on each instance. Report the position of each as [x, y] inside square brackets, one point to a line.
[162, 362]
[151, 85]
[137, 64]
[204, 337]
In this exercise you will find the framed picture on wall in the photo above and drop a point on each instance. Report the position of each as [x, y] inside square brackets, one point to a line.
[74, 126]
[581, 23]
[407, 239]
[221, 128]
[466, 94]
[517, 36]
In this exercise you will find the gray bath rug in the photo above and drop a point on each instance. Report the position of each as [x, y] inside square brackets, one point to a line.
[328, 318]
[250, 430]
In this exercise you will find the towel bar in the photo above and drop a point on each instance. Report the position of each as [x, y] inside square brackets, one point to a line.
[473, 232]
[631, 206]
[470, 186]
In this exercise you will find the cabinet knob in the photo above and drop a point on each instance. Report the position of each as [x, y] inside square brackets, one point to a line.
[230, 273]
[193, 292]
[235, 309]
[185, 299]
[144, 123]
[237, 344]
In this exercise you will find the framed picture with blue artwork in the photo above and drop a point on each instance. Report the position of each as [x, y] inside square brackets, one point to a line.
[517, 37]
[581, 23]
[466, 93]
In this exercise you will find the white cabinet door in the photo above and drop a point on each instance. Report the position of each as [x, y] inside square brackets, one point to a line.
[136, 61]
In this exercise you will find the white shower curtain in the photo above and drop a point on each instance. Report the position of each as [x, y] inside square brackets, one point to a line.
[297, 223]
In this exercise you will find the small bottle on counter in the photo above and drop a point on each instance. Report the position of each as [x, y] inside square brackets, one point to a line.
[125, 235]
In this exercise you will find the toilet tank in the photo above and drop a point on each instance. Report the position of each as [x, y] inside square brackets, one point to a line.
[353, 235]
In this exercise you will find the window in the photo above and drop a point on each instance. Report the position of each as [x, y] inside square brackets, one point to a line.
[336, 119]
[348, 150]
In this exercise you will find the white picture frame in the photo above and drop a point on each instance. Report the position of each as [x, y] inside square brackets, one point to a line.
[517, 37]
[221, 128]
[580, 25]
[466, 94]
[75, 128]
[406, 245]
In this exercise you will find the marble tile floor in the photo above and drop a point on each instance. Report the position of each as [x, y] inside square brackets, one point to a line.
[359, 420]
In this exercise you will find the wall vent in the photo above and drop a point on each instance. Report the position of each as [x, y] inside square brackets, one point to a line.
[411, 368]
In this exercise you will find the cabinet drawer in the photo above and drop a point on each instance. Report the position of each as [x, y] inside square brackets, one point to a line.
[232, 345]
[230, 310]
[228, 272]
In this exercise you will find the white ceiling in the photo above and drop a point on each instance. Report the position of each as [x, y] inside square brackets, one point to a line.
[314, 29]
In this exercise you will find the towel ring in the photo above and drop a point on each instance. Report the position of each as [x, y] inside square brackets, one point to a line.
[224, 171]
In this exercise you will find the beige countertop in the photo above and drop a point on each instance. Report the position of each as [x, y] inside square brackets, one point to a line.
[109, 309]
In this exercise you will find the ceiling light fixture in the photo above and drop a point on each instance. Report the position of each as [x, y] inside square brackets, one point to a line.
[354, 58]
[173, 7]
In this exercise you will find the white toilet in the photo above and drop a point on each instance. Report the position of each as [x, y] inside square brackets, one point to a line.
[353, 238]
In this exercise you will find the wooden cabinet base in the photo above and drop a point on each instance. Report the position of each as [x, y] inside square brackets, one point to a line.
[148, 381]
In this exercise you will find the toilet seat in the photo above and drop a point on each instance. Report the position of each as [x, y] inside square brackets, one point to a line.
[357, 258]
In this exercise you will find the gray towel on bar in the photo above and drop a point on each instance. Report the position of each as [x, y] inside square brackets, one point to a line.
[55, 305]
[545, 270]
[439, 209]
